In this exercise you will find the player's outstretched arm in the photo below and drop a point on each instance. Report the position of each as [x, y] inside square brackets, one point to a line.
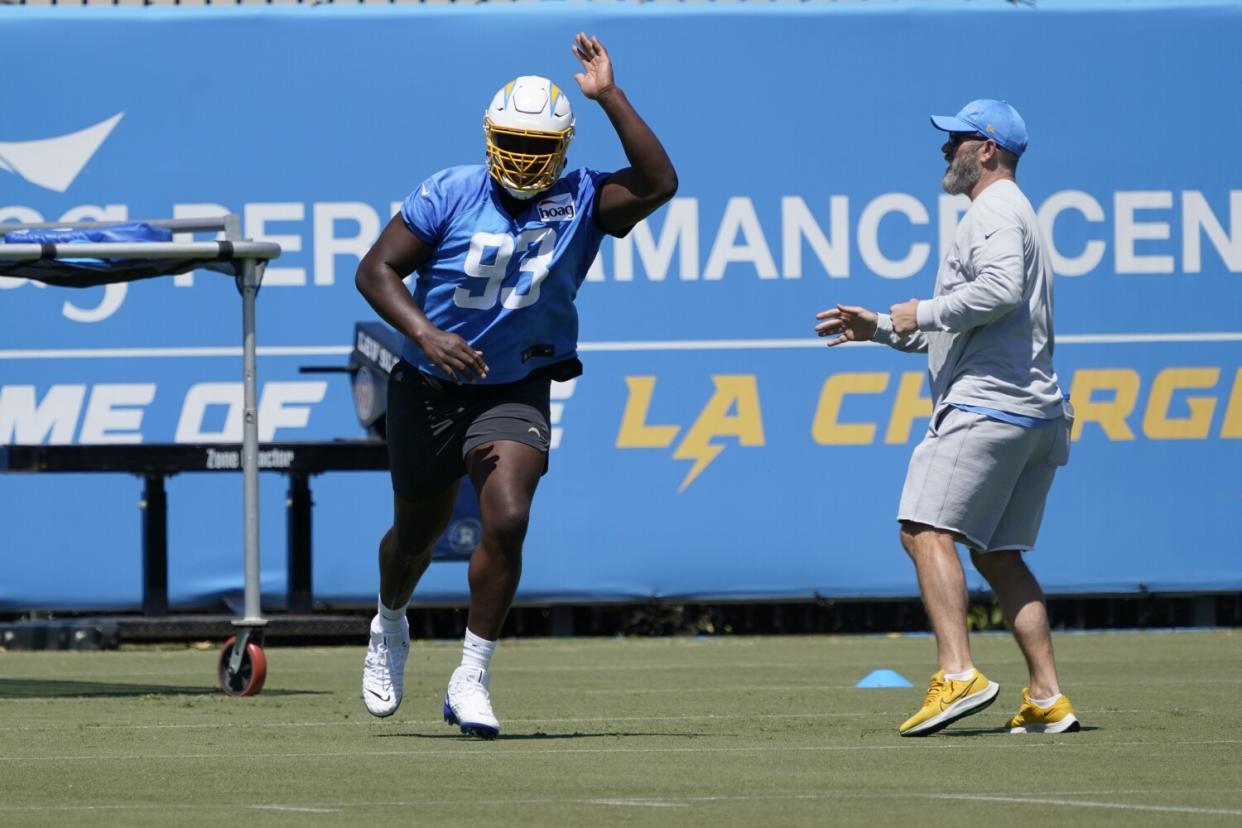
[396, 254]
[635, 192]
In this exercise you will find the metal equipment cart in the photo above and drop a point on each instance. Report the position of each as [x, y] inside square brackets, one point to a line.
[242, 665]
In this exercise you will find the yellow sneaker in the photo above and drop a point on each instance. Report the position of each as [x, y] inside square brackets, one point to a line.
[947, 701]
[1031, 718]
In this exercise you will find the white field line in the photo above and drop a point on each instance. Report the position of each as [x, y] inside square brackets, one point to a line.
[508, 720]
[537, 670]
[1145, 681]
[585, 347]
[648, 667]
[666, 801]
[472, 750]
[702, 717]
[694, 688]
[648, 664]
[1081, 803]
[156, 689]
[645, 667]
[637, 803]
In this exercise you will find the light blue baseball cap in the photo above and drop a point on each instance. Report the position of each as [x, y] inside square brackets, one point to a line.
[995, 119]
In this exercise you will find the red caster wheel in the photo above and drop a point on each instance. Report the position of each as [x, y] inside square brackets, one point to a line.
[242, 667]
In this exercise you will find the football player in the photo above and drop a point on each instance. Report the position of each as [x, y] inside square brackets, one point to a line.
[500, 250]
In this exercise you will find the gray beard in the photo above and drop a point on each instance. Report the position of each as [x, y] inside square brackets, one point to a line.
[963, 174]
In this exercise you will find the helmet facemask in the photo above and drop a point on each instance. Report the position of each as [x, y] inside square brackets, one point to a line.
[524, 160]
[527, 128]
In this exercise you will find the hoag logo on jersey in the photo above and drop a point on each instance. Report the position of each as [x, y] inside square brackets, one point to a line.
[557, 208]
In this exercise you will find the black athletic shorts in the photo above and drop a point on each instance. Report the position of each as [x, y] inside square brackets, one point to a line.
[433, 424]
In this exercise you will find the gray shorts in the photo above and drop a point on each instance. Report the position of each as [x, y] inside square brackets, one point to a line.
[983, 479]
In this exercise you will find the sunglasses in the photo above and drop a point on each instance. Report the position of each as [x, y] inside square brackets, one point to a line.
[956, 138]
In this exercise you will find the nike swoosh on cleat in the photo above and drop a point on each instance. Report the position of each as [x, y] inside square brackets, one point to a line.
[384, 698]
[945, 706]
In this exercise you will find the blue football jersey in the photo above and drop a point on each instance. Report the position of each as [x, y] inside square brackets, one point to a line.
[504, 284]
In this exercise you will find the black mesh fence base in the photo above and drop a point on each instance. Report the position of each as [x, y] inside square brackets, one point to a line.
[64, 631]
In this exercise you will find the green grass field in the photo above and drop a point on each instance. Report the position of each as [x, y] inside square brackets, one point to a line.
[725, 731]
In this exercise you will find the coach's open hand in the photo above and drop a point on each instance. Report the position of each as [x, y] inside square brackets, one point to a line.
[846, 323]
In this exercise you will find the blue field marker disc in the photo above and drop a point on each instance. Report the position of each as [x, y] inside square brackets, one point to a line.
[884, 678]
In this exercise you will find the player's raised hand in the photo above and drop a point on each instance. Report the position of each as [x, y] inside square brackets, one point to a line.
[453, 355]
[846, 323]
[596, 75]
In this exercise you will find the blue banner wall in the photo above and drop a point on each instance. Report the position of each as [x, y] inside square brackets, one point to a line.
[713, 449]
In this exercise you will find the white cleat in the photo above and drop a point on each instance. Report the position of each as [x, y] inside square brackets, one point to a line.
[383, 671]
[469, 704]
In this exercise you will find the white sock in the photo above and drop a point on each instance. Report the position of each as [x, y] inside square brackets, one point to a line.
[965, 675]
[477, 652]
[390, 619]
[1048, 702]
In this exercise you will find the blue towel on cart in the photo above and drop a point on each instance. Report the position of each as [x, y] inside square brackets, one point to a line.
[71, 272]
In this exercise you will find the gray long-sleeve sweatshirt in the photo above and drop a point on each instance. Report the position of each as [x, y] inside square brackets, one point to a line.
[988, 329]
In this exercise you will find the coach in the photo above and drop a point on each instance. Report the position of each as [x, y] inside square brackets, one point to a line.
[999, 428]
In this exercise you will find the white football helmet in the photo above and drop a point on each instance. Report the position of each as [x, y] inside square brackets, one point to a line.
[528, 127]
